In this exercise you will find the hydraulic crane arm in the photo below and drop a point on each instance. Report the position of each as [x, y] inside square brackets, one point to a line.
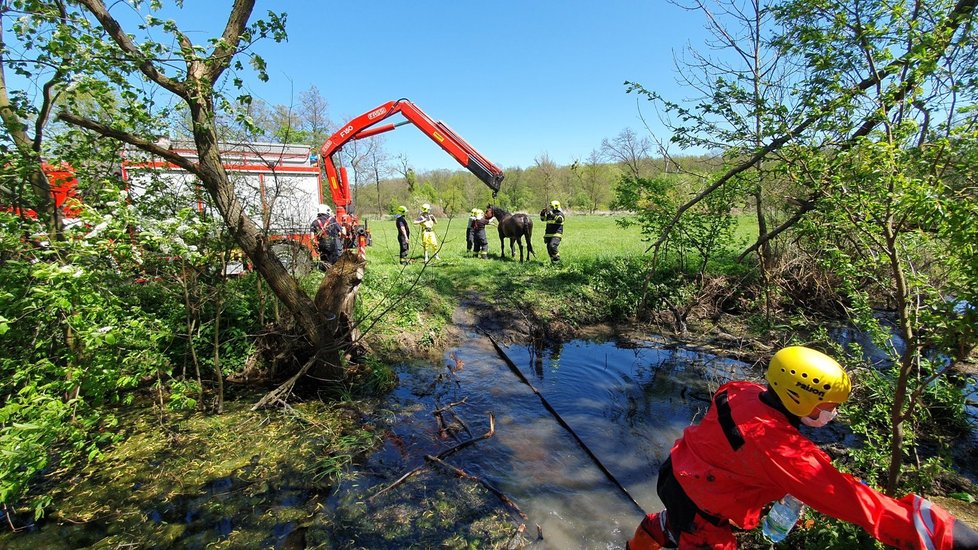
[364, 126]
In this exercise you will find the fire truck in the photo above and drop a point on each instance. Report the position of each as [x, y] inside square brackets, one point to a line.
[64, 186]
[278, 185]
[366, 125]
[281, 185]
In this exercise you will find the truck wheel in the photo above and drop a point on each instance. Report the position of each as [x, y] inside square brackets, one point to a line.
[294, 257]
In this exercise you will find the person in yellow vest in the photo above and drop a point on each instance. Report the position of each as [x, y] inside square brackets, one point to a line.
[429, 242]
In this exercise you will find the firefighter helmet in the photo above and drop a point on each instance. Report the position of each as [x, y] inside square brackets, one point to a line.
[555, 205]
[402, 210]
[426, 207]
[324, 209]
[804, 378]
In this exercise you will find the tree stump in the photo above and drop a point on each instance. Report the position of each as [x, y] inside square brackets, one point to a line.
[283, 351]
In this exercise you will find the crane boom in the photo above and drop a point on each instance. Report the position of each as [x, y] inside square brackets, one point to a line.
[366, 125]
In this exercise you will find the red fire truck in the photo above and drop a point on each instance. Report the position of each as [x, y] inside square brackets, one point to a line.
[281, 184]
[278, 184]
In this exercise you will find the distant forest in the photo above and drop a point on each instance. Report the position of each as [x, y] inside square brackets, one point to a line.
[586, 186]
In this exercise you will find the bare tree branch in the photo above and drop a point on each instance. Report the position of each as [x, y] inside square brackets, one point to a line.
[227, 47]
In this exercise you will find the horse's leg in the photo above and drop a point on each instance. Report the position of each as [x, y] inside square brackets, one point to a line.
[519, 241]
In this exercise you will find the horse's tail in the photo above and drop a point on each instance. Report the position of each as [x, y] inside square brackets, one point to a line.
[529, 233]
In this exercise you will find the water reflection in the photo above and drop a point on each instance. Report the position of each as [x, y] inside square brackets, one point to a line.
[628, 402]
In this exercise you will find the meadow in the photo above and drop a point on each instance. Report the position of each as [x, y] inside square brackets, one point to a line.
[600, 278]
[585, 237]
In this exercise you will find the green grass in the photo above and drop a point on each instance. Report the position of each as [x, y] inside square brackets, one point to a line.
[410, 306]
[599, 278]
[585, 237]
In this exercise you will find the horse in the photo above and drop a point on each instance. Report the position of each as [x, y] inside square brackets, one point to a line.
[513, 227]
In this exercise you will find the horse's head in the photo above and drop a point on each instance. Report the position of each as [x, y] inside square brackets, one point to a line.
[497, 212]
[488, 213]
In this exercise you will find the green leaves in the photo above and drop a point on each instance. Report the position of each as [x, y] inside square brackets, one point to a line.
[68, 330]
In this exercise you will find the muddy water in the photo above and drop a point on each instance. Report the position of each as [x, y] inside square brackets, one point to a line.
[627, 402]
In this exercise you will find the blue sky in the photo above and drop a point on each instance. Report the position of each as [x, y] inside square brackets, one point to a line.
[516, 79]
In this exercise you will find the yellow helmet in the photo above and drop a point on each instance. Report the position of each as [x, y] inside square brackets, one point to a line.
[402, 210]
[555, 205]
[804, 378]
[425, 207]
[474, 213]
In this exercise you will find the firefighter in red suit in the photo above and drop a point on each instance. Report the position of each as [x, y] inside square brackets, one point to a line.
[747, 452]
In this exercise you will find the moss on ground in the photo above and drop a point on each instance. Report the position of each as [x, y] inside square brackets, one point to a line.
[245, 479]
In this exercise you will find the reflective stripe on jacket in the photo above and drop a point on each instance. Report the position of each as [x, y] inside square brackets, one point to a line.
[747, 452]
[555, 223]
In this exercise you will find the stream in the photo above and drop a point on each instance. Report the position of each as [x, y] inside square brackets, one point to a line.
[627, 402]
[577, 453]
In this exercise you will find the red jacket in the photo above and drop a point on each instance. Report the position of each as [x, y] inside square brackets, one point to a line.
[773, 458]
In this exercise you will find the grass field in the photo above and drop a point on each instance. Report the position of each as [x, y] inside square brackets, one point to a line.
[584, 237]
[599, 278]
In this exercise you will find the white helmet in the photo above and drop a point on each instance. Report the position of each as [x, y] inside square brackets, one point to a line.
[425, 207]
[324, 209]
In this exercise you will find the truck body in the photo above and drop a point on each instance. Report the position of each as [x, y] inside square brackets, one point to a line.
[278, 184]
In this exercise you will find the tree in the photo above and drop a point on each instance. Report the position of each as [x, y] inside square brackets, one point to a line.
[876, 77]
[595, 187]
[314, 116]
[377, 163]
[741, 86]
[361, 156]
[894, 196]
[546, 171]
[195, 84]
[410, 178]
[628, 150]
[14, 110]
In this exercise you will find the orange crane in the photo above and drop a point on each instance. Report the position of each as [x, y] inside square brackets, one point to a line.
[365, 125]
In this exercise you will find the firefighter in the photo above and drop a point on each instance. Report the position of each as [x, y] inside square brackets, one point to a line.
[470, 232]
[326, 231]
[747, 452]
[555, 229]
[403, 232]
[429, 242]
[480, 241]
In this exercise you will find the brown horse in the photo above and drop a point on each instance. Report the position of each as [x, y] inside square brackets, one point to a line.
[513, 227]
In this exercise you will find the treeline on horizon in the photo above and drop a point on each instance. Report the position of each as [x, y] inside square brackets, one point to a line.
[582, 187]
